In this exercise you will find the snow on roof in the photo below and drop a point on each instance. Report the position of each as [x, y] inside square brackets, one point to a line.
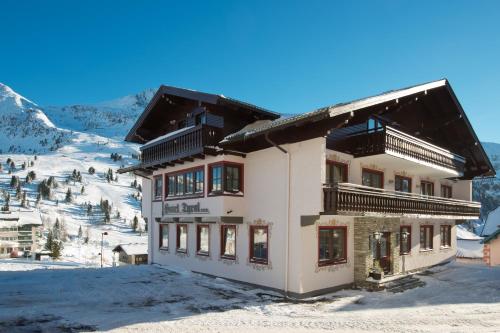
[465, 234]
[132, 248]
[18, 218]
[491, 237]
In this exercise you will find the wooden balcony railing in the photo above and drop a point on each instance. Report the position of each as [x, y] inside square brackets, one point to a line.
[386, 139]
[180, 145]
[353, 199]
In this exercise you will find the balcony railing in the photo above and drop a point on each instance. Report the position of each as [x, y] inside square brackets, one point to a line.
[359, 142]
[353, 199]
[180, 144]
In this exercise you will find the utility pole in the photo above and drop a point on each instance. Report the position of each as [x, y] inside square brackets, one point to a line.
[102, 243]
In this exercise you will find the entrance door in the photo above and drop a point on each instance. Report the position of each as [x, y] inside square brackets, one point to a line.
[384, 252]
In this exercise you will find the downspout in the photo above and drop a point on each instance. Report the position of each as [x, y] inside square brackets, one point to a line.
[287, 225]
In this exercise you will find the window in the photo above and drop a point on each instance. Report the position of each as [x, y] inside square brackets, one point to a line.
[186, 183]
[164, 236]
[202, 239]
[225, 177]
[402, 184]
[427, 188]
[181, 244]
[259, 244]
[405, 241]
[199, 180]
[373, 178]
[158, 187]
[373, 125]
[200, 118]
[336, 172]
[426, 237]
[332, 245]
[446, 236]
[228, 242]
[446, 191]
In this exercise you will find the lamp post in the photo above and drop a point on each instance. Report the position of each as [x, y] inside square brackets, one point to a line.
[102, 243]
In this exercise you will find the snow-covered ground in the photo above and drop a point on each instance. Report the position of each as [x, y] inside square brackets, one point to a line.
[456, 298]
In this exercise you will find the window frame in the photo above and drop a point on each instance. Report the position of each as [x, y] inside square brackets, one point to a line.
[403, 178]
[447, 229]
[252, 257]
[183, 173]
[401, 252]
[161, 245]
[431, 248]
[155, 197]
[373, 171]
[223, 243]
[345, 172]
[432, 187]
[323, 263]
[449, 188]
[224, 191]
[178, 238]
[198, 240]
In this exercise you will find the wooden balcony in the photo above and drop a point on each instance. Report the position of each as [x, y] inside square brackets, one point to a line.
[180, 145]
[359, 142]
[358, 200]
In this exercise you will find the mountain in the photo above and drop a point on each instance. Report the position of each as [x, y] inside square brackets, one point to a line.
[487, 190]
[25, 127]
[111, 119]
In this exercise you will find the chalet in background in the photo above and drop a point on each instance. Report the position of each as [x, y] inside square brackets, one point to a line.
[18, 232]
[307, 204]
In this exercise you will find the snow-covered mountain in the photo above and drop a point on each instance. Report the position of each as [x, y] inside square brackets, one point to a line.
[487, 190]
[111, 119]
[24, 127]
[64, 141]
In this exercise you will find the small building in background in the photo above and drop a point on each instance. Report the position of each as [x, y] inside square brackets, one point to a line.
[132, 254]
[18, 232]
[492, 249]
[469, 245]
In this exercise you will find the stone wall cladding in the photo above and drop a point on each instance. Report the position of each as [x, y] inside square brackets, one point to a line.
[363, 259]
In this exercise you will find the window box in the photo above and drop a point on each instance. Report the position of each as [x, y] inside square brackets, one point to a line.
[332, 245]
[228, 242]
[225, 178]
[259, 244]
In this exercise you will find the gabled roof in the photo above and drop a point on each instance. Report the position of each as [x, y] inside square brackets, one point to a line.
[215, 99]
[492, 222]
[132, 248]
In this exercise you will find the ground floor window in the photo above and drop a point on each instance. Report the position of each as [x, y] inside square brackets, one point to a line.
[181, 244]
[202, 239]
[228, 241]
[426, 237]
[332, 245]
[405, 239]
[163, 236]
[446, 236]
[259, 244]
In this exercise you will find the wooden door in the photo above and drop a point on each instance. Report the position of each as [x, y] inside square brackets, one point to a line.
[384, 252]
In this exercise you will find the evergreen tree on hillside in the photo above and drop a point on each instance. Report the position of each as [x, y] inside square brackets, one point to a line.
[82, 190]
[80, 232]
[44, 190]
[12, 166]
[91, 170]
[18, 191]
[24, 201]
[23, 166]
[107, 217]
[135, 223]
[69, 196]
[56, 249]
[50, 240]
[14, 181]
[89, 209]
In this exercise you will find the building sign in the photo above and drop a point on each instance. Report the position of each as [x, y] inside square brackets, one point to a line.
[184, 208]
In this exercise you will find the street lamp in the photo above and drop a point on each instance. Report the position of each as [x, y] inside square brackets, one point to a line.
[102, 243]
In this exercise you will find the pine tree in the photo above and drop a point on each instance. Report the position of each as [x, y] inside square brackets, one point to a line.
[69, 196]
[91, 170]
[89, 209]
[24, 202]
[107, 217]
[135, 223]
[12, 165]
[18, 191]
[23, 166]
[80, 232]
[82, 190]
[50, 240]
[36, 157]
[56, 249]
[14, 181]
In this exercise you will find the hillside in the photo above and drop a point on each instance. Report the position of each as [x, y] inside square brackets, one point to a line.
[112, 119]
[47, 148]
[487, 190]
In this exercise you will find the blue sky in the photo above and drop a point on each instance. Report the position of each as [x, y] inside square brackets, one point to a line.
[287, 56]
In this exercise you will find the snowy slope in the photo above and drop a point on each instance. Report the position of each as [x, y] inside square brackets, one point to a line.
[61, 149]
[111, 119]
[25, 127]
